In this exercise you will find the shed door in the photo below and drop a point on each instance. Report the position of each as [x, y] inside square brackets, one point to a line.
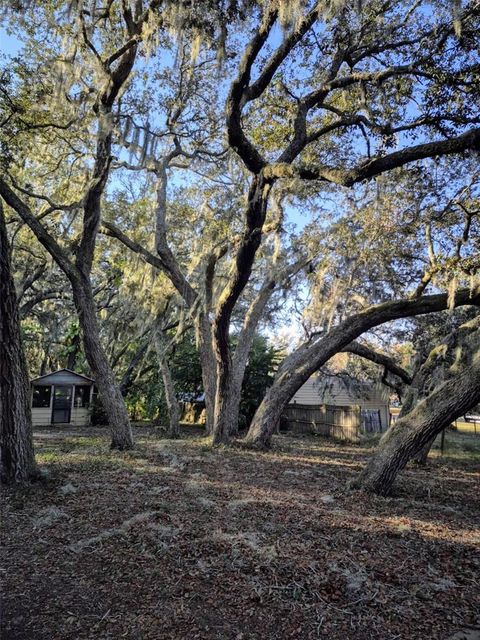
[371, 421]
[62, 404]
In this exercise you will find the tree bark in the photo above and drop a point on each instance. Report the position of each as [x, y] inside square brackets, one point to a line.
[171, 399]
[173, 406]
[109, 391]
[17, 460]
[421, 457]
[301, 364]
[409, 434]
[441, 364]
[203, 333]
[245, 256]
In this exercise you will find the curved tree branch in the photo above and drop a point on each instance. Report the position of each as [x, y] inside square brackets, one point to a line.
[380, 358]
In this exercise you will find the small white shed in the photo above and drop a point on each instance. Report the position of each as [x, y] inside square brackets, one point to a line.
[62, 397]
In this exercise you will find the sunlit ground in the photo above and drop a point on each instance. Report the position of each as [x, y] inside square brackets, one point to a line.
[176, 540]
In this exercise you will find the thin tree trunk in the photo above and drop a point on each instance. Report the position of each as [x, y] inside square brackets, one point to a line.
[109, 391]
[126, 382]
[173, 406]
[171, 399]
[409, 434]
[17, 460]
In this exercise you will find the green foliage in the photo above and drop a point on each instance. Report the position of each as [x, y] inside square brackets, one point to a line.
[146, 398]
[262, 363]
[71, 343]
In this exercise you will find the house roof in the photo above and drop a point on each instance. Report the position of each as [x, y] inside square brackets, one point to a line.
[340, 391]
[54, 373]
[334, 385]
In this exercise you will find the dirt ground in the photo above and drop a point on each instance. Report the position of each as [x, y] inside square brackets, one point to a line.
[175, 540]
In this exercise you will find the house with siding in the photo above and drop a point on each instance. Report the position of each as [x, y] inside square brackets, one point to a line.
[62, 397]
[338, 406]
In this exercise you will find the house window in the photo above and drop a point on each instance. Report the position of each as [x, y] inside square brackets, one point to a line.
[41, 397]
[82, 395]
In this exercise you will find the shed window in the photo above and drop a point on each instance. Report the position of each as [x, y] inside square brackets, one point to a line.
[82, 395]
[41, 396]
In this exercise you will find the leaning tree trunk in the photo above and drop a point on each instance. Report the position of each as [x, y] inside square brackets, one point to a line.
[290, 377]
[267, 417]
[416, 392]
[442, 362]
[110, 394]
[409, 434]
[302, 363]
[17, 460]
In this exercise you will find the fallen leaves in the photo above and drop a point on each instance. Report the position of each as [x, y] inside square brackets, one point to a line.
[176, 541]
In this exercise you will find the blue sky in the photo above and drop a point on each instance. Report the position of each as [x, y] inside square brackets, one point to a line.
[9, 44]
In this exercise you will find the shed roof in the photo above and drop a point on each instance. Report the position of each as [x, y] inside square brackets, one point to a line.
[320, 389]
[61, 372]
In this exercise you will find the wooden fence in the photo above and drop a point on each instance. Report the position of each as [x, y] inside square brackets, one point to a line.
[343, 423]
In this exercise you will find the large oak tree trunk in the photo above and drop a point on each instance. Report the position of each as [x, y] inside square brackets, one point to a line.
[227, 406]
[109, 391]
[17, 460]
[242, 269]
[222, 426]
[411, 433]
[232, 409]
[207, 361]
